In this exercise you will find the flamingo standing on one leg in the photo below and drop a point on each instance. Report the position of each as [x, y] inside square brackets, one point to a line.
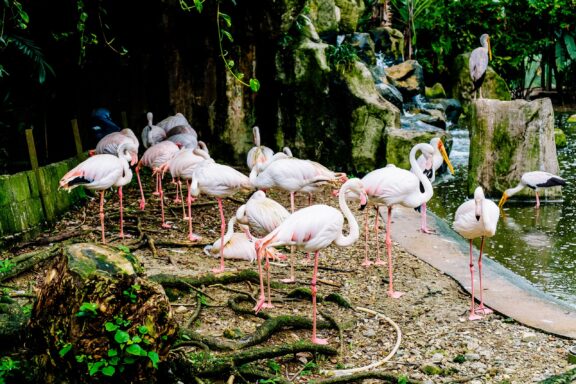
[311, 229]
[219, 181]
[533, 180]
[258, 154]
[292, 175]
[154, 157]
[430, 167]
[477, 218]
[101, 172]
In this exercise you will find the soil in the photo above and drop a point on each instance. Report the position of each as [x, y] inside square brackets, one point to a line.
[438, 343]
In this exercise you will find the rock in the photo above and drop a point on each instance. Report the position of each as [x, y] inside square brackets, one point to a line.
[389, 41]
[390, 93]
[419, 122]
[350, 11]
[324, 16]
[472, 356]
[408, 77]
[559, 138]
[571, 119]
[529, 337]
[369, 333]
[452, 109]
[93, 303]
[364, 46]
[431, 369]
[435, 92]
[508, 138]
[437, 357]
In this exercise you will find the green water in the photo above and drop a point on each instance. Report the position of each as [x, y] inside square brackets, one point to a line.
[539, 245]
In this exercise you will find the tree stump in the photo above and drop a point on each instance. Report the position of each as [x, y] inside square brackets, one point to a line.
[96, 320]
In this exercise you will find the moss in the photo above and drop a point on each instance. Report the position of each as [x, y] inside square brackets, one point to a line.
[560, 138]
[571, 119]
[432, 370]
[435, 92]
[503, 145]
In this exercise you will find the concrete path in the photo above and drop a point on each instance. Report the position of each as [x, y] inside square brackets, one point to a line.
[504, 291]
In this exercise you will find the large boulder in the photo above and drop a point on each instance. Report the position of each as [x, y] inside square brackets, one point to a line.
[389, 41]
[436, 91]
[408, 77]
[508, 138]
[391, 93]
[350, 11]
[325, 16]
[364, 46]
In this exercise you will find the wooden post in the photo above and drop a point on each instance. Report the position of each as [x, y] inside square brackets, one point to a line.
[49, 214]
[124, 119]
[77, 139]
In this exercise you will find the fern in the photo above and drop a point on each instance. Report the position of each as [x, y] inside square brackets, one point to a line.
[30, 50]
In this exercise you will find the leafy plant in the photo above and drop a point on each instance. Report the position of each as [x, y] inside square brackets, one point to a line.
[6, 266]
[342, 56]
[7, 368]
[274, 366]
[409, 12]
[131, 292]
[88, 310]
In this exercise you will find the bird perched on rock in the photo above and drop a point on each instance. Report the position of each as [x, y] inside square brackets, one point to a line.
[478, 63]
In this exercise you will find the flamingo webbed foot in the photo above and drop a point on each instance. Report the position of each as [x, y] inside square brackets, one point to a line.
[142, 204]
[166, 225]
[194, 237]
[219, 269]
[289, 280]
[317, 340]
[394, 294]
[427, 230]
[366, 263]
[259, 304]
[473, 317]
[483, 310]
[379, 262]
[176, 201]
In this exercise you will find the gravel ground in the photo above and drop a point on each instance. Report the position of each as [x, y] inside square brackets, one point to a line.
[438, 344]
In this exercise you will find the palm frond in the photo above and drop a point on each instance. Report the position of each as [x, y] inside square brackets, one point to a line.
[30, 50]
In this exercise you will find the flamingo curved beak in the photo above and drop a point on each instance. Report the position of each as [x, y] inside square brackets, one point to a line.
[445, 156]
[363, 200]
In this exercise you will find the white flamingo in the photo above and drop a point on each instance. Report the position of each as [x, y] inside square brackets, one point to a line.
[110, 143]
[258, 154]
[477, 218]
[313, 228]
[533, 180]
[152, 134]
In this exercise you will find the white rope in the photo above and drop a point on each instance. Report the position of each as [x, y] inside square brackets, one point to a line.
[343, 372]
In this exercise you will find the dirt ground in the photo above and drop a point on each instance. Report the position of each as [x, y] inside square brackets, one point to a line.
[437, 342]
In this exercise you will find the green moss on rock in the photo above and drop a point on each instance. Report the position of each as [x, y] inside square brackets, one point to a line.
[560, 138]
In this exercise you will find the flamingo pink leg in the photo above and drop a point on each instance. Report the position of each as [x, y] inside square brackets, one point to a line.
[222, 231]
[121, 213]
[164, 225]
[482, 309]
[292, 278]
[315, 339]
[191, 235]
[157, 190]
[377, 230]
[537, 201]
[262, 298]
[142, 199]
[424, 224]
[366, 262]
[102, 216]
[473, 315]
[393, 294]
[177, 199]
[269, 304]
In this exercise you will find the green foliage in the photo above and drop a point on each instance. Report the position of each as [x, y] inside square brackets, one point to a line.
[274, 366]
[341, 56]
[7, 368]
[6, 266]
[409, 12]
[88, 310]
[131, 292]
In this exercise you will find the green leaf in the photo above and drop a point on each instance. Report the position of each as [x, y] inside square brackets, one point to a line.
[112, 352]
[123, 248]
[226, 18]
[121, 337]
[199, 5]
[93, 368]
[135, 349]
[254, 85]
[230, 63]
[228, 35]
[136, 339]
[154, 358]
[108, 371]
[67, 347]
[110, 327]
[143, 329]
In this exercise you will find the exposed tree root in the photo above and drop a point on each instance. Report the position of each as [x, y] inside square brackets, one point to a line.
[222, 366]
[383, 376]
[26, 261]
[180, 282]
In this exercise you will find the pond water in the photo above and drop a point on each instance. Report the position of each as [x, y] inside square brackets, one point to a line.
[539, 245]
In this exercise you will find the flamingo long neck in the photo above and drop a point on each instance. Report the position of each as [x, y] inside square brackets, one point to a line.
[515, 190]
[345, 241]
[149, 117]
[256, 132]
[428, 191]
[229, 231]
[125, 157]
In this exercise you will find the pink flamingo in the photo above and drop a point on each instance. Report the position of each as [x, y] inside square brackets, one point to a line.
[182, 166]
[292, 175]
[311, 229]
[219, 181]
[152, 134]
[258, 154]
[154, 157]
[101, 172]
[261, 214]
[477, 218]
[390, 186]
[109, 144]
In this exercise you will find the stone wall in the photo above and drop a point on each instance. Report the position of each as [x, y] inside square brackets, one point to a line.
[31, 199]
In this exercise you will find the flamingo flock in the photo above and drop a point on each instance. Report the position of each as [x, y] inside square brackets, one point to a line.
[172, 146]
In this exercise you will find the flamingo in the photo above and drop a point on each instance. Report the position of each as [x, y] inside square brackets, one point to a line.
[477, 218]
[429, 169]
[219, 181]
[101, 172]
[154, 157]
[311, 229]
[236, 245]
[292, 175]
[258, 154]
[173, 121]
[261, 214]
[391, 185]
[533, 180]
[182, 166]
[110, 143]
[478, 63]
[152, 134]
[184, 140]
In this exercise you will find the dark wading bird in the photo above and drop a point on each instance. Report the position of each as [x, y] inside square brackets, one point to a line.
[533, 180]
[479, 62]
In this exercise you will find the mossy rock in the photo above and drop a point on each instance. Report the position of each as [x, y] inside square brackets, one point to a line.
[560, 138]
[93, 306]
[571, 119]
[350, 13]
[399, 143]
[435, 92]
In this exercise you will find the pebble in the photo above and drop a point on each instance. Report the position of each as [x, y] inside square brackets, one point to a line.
[472, 356]
[369, 333]
[529, 337]
[437, 357]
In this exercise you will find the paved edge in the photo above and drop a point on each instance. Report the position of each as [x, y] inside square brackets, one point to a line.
[504, 291]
